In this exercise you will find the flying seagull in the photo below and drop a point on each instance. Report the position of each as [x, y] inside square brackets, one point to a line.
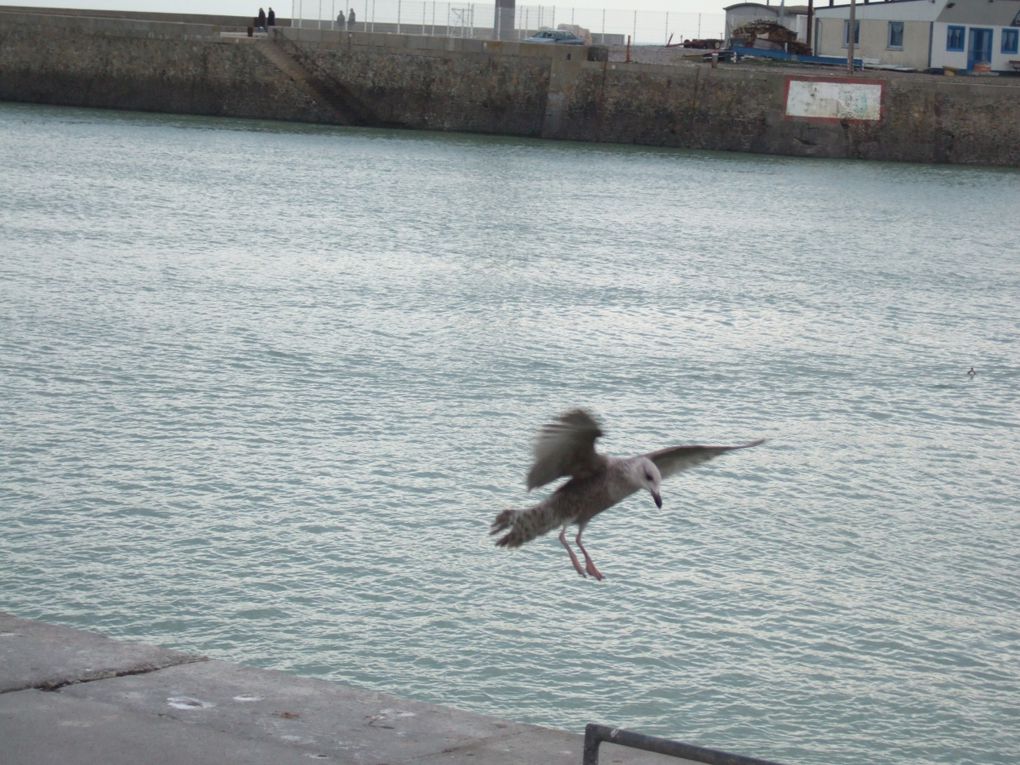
[566, 447]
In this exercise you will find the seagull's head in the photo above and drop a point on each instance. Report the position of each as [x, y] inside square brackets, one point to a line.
[647, 476]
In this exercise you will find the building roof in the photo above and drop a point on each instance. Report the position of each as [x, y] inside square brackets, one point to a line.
[1000, 13]
[901, 10]
[862, 4]
[791, 10]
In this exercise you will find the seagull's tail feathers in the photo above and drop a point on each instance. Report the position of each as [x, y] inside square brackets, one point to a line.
[523, 525]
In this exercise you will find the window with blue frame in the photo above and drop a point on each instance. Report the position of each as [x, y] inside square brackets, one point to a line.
[895, 35]
[846, 33]
[955, 37]
[1009, 40]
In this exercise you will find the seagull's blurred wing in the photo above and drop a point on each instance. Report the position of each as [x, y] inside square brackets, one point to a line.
[676, 458]
[566, 447]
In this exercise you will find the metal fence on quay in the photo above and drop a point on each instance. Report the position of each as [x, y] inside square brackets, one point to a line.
[477, 20]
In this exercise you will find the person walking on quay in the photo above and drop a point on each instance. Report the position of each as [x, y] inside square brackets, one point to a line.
[261, 21]
[271, 18]
[350, 20]
[341, 22]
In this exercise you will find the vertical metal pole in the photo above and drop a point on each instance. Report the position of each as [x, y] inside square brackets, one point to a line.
[591, 746]
[810, 26]
[398, 17]
[699, 26]
[553, 22]
[603, 25]
[320, 15]
[635, 27]
[850, 36]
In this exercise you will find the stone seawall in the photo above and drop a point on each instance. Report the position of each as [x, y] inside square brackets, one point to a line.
[488, 87]
[180, 68]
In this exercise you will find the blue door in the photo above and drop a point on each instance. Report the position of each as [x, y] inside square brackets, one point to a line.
[980, 49]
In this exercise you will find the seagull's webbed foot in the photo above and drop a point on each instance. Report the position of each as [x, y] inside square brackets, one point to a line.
[589, 564]
[573, 558]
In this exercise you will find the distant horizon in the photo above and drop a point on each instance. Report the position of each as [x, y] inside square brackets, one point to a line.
[285, 9]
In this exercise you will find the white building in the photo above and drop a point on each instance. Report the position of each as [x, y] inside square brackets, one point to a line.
[970, 35]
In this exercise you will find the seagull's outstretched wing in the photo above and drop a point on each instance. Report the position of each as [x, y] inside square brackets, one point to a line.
[566, 448]
[676, 458]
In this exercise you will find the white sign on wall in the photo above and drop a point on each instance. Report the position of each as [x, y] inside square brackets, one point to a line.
[834, 99]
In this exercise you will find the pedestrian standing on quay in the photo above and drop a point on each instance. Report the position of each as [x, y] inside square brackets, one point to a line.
[350, 20]
[261, 21]
[271, 18]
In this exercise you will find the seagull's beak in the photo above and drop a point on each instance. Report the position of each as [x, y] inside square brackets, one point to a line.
[657, 497]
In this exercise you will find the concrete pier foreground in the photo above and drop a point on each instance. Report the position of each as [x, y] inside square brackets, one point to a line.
[69, 697]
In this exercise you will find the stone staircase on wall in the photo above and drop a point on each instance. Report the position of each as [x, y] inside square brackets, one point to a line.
[320, 85]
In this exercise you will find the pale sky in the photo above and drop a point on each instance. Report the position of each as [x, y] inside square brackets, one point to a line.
[283, 8]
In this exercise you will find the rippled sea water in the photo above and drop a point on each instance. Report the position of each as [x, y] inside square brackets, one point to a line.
[263, 387]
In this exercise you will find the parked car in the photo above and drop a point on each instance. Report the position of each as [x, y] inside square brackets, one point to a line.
[555, 36]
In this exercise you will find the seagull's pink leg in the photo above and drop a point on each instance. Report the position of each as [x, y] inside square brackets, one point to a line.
[589, 564]
[573, 558]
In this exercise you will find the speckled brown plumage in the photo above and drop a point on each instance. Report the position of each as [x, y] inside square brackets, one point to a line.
[566, 448]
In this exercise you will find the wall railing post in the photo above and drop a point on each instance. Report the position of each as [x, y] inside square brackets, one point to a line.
[591, 745]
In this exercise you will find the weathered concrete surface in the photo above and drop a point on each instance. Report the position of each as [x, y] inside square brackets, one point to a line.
[37, 655]
[163, 707]
[38, 728]
[482, 86]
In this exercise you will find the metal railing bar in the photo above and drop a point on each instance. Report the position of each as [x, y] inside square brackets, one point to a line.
[595, 734]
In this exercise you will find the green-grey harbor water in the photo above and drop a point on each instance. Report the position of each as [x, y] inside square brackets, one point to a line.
[263, 387]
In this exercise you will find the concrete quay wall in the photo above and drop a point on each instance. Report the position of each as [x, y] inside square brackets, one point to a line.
[742, 108]
[146, 65]
[482, 86]
[69, 697]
